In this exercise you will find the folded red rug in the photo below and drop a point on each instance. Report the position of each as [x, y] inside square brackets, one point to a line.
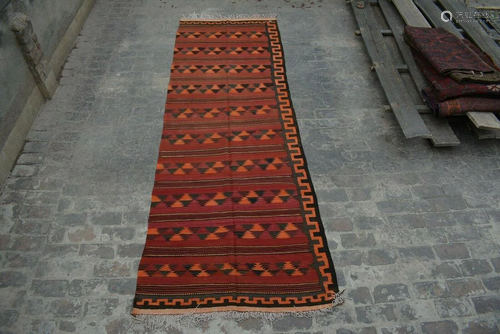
[449, 55]
[446, 88]
[460, 105]
[234, 228]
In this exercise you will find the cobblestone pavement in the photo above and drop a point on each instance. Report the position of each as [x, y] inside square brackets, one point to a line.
[414, 230]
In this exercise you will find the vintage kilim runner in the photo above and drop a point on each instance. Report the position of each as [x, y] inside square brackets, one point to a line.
[234, 225]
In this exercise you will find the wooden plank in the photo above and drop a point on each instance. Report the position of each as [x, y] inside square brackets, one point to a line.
[410, 13]
[489, 7]
[402, 68]
[496, 24]
[484, 120]
[490, 31]
[407, 115]
[442, 133]
[423, 109]
[433, 15]
[485, 134]
[474, 30]
[391, 13]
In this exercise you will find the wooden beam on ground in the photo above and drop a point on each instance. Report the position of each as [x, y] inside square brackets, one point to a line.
[410, 13]
[442, 133]
[433, 15]
[474, 30]
[407, 115]
[423, 109]
[493, 33]
[489, 8]
[402, 68]
[495, 24]
[486, 134]
[484, 120]
[391, 13]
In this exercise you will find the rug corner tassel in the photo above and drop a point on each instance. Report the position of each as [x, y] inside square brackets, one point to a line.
[338, 299]
[197, 320]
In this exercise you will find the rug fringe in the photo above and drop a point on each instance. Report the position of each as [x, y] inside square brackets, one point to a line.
[193, 319]
[220, 16]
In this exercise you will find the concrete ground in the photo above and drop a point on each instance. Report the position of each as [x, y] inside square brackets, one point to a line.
[414, 230]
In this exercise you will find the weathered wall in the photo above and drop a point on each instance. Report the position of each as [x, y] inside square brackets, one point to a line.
[50, 26]
[51, 19]
[16, 82]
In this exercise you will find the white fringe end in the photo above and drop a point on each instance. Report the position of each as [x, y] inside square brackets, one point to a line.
[220, 16]
[193, 319]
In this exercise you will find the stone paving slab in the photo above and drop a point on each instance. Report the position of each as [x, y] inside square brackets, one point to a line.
[414, 230]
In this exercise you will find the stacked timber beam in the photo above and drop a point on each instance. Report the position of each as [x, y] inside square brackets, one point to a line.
[415, 118]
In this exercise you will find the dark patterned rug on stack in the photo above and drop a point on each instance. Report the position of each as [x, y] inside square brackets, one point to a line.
[462, 77]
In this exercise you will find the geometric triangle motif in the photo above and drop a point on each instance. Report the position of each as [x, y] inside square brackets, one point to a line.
[266, 231]
[219, 112]
[213, 69]
[189, 34]
[256, 50]
[219, 34]
[292, 268]
[261, 269]
[186, 89]
[162, 270]
[252, 50]
[278, 196]
[204, 168]
[230, 269]
[200, 270]
[191, 233]
[212, 138]
[241, 231]
[183, 139]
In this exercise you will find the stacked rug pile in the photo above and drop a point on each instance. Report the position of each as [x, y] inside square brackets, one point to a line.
[462, 77]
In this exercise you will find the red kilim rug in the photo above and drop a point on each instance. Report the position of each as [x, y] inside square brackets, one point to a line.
[234, 225]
